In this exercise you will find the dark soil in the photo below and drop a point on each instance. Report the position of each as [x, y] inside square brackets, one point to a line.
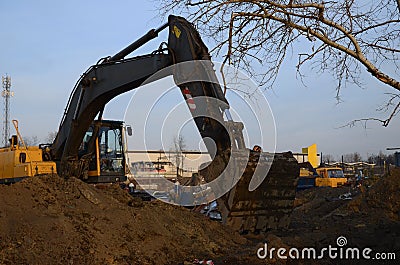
[49, 220]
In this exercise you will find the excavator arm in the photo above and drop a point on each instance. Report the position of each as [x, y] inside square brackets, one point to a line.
[116, 75]
[268, 206]
[96, 88]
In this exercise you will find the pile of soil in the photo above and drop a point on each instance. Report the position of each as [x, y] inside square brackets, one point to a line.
[367, 216]
[381, 195]
[49, 220]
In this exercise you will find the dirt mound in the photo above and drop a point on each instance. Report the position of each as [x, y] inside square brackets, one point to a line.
[49, 220]
[367, 216]
[385, 195]
[377, 199]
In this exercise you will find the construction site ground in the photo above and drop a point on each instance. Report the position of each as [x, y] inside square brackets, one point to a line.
[49, 220]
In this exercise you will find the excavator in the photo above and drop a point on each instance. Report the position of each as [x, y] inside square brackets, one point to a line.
[93, 149]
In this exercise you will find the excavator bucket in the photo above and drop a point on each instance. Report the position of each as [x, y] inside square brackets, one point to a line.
[270, 204]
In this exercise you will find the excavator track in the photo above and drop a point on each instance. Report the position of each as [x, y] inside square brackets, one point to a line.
[267, 207]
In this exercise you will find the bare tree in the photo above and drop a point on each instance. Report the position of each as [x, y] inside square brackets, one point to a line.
[381, 158]
[353, 157]
[328, 158]
[345, 38]
[179, 146]
[51, 136]
[31, 141]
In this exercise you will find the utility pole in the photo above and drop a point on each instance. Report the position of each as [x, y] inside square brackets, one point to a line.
[6, 94]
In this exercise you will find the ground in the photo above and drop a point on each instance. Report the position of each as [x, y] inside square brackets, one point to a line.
[49, 220]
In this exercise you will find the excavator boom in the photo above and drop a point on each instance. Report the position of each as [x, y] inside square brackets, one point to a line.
[260, 209]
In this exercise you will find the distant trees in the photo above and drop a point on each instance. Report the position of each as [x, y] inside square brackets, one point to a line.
[378, 159]
[328, 158]
[352, 157]
[51, 136]
[31, 141]
[35, 140]
[381, 158]
[347, 158]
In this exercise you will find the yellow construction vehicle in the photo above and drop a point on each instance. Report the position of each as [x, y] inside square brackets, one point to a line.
[330, 177]
[19, 161]
[93, 149]
[320, 177]
[313, 174]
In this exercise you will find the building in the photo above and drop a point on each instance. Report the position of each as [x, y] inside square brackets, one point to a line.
[170, 164]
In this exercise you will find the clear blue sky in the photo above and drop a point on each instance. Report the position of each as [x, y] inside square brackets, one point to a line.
[46, 45]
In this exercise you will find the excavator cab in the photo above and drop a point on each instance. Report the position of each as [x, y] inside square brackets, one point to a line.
[103, 146]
